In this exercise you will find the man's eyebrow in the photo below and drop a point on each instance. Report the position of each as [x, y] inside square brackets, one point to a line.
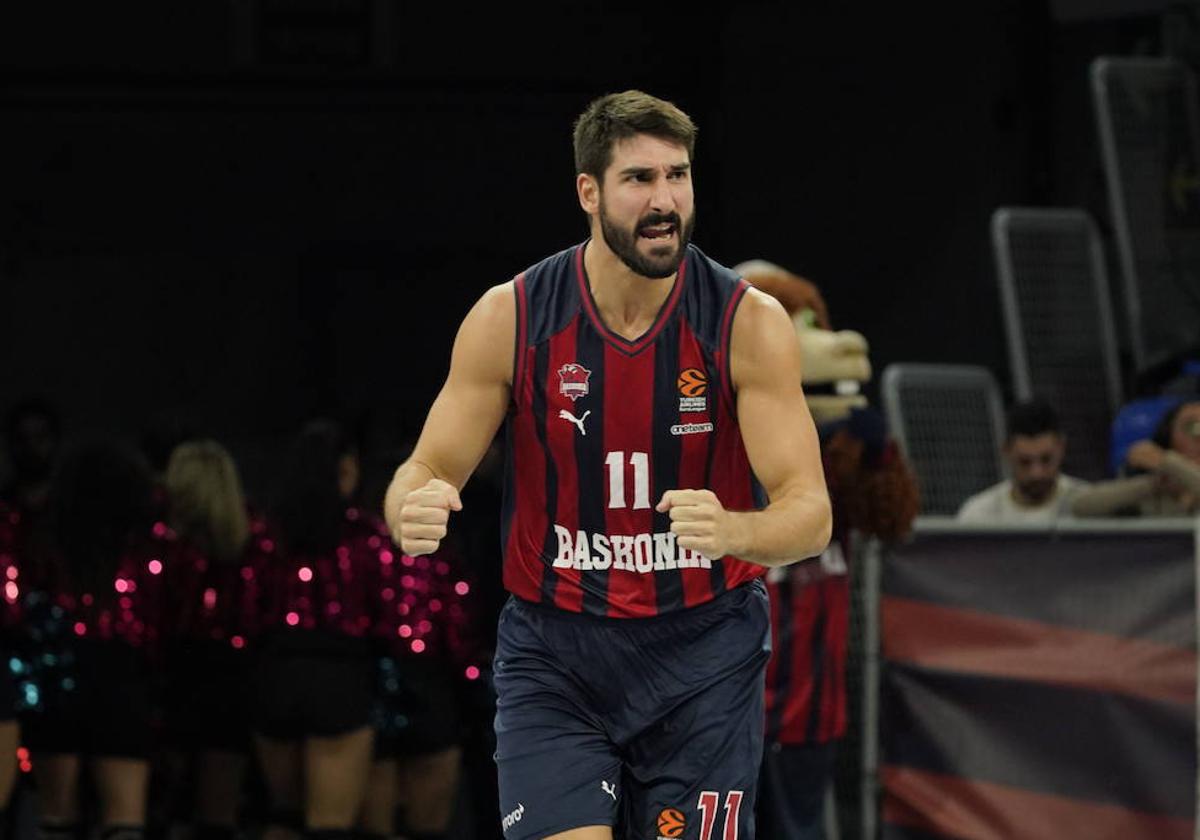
[642, 170]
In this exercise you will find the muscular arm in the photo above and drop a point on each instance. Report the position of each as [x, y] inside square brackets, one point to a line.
[780, 437]
[469, 409]
[781, 442]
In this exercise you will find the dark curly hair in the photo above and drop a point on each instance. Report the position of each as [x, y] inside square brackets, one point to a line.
[101, 497]
[310, 508]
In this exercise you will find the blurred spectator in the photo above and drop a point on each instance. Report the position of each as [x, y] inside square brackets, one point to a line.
[10, 584]
[163, 431]
[93, 615]
[381, 449]
[1037, 491]
[425, 687]
[322, 602]
[873, 494]
[32, 433]
[212, 593]
[1170, 465]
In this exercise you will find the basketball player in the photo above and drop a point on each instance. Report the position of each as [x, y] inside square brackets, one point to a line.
[654, 407]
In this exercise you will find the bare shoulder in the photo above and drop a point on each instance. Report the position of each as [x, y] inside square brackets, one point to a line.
[763, 343]
[490, 325]
[496, 309]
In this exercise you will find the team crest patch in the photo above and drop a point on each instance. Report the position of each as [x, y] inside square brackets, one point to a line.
[693, 385]
[573, 381]
[670, 824]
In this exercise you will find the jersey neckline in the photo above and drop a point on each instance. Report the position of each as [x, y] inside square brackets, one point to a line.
[625, 345]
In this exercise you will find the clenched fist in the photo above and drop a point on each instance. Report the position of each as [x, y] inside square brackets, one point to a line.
[423, 517]
[699, 522]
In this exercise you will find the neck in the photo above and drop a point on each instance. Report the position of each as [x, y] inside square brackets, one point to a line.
[627, 302]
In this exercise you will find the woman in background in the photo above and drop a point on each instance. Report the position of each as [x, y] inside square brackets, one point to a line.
[10, 616]
[93, 615]
[1170, 483]
[429, 674]
[212, 593]
[321, 610]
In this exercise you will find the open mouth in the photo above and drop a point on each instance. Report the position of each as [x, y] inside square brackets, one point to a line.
[657, 232]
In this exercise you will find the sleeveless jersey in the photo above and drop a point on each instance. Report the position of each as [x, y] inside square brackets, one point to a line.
[601, 426]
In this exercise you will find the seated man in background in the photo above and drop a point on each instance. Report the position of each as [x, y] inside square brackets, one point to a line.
[1037, 491]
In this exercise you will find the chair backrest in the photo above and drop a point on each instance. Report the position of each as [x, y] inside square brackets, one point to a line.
[1059, 324]
[1146, 113]
[949, 422]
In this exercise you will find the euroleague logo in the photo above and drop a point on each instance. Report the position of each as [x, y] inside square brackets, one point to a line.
[693, 385]
[670, 824]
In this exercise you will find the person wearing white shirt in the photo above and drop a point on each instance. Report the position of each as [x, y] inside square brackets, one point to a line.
[1038, 491]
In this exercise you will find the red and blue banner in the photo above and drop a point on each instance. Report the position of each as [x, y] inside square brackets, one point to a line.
[1040, 685]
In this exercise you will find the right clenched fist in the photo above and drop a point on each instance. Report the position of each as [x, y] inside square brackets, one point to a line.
[423, 517]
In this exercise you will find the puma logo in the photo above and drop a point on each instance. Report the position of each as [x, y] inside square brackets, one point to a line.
[609, 788]
[578, 421]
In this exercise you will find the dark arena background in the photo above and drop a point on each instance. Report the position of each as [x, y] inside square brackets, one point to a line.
[224, 219]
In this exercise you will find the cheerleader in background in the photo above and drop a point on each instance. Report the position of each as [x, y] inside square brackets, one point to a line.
[32, 436]
[10, 616]
[425, 673]
[212, 594]
[321, 609]
[93, 615]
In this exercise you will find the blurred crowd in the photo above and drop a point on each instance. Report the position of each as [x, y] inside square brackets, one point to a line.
[180, 659]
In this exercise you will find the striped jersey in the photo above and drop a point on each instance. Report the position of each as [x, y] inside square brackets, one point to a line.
[806, 677]
[601, 426]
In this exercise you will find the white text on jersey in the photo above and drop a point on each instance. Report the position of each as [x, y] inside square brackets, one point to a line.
[640, 553]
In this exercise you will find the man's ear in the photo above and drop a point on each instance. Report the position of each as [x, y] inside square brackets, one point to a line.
[588, 190]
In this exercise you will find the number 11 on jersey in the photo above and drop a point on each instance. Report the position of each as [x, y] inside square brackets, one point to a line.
[710, 800]
[640, 461]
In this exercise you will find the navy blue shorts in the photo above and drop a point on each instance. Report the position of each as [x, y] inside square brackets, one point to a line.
[654, 725]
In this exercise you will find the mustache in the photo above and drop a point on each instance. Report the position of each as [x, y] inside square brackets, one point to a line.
[652, 219]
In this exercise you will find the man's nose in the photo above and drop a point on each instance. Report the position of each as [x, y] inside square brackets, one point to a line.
[662, 200]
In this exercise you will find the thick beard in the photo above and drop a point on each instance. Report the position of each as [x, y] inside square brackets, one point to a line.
[623, 243]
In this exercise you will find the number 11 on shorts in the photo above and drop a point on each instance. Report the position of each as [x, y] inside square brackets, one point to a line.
[710, 801]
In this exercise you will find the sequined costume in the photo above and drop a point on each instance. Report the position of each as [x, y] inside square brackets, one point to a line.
[433, 656]
[213, 621]
[319, 617]
[91, 657]
[10, 613]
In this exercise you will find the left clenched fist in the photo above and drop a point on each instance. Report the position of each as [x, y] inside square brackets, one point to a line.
[699, 521]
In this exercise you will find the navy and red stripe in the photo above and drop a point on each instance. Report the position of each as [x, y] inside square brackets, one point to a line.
[806, 677]
[599, 429]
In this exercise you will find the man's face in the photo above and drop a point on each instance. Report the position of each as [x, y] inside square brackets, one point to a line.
[1035, 462]
[647, 208]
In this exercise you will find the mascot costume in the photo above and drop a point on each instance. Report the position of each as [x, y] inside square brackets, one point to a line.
[874, 494]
